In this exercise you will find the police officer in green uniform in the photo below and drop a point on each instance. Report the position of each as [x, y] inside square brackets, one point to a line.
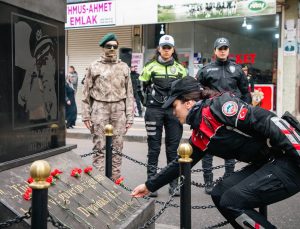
[157, 77]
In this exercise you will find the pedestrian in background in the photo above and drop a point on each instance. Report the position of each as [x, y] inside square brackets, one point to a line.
[136, 85]
[222, 75]
[73, 77]
[108, 99]
[71, 108]
[157, 77]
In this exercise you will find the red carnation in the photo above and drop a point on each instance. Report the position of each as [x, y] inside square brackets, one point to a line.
[28, 193]
[76, 172]
[119, 181]
[56, 173]
[50, 180]
[30, 180]
[88, 170]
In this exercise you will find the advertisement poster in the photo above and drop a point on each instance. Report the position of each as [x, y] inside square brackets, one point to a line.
[137, 61]
[176, 10]
[90, 14]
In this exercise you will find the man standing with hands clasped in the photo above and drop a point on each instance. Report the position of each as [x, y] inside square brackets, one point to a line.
[222, 75]
[108, 99]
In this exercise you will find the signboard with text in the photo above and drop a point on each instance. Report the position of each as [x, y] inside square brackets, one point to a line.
[90, 14]
[190, 10]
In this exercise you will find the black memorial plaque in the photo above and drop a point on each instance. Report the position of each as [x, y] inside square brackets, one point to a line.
[89, 201]
[32, 83]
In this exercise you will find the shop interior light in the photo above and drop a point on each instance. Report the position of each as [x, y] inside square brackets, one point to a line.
[244, 23]
[276, 35]
[162, 32]
[249, 26]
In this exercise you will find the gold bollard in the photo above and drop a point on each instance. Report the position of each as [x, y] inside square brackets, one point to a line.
[39, 171]
[108, 129]
[108, 150]
[185, 150]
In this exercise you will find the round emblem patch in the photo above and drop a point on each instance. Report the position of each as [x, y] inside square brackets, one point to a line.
[173, 69]
[230, 108]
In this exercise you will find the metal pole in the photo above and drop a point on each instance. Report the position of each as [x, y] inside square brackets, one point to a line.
[108, 149]
[185, 151]
[39, 171]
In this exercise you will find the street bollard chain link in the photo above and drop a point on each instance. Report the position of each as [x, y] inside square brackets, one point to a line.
[95, 151]
[165, 206]
[217, 225]
[16, 220]
[134, 160]
[57, 224]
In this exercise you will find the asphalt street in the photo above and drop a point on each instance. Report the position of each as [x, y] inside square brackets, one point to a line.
[284, 214]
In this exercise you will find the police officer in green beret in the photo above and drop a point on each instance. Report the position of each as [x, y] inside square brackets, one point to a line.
[157, 77]
[108, 99]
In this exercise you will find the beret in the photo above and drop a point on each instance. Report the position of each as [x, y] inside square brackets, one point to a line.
[106, 38]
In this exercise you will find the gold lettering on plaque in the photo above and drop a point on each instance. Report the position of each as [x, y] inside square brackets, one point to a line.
[85, 212]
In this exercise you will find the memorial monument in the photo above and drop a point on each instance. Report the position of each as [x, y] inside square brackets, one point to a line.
[32, 127]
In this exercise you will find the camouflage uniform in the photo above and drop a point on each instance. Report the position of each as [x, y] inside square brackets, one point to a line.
[108, 99]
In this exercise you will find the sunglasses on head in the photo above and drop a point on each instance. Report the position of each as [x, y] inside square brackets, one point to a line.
[109, 46]
[166, 47]
[223, 48]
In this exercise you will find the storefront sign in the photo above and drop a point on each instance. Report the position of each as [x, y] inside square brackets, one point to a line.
[246, 58]
[90, 14]
[191, 10]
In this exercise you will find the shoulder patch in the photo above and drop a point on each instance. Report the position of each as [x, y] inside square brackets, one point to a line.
[230, 108]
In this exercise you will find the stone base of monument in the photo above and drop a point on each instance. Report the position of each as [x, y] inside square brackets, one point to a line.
[89, 200]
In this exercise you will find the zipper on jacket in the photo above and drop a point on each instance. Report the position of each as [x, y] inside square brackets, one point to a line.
[167, 76]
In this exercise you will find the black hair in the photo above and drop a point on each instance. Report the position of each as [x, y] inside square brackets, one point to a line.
[205, 93]
[174, 54]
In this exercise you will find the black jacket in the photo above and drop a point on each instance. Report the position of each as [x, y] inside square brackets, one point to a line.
[225, 76]
[227, 127]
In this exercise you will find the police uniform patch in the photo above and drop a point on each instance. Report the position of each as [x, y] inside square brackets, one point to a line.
[232, 68]
[173, 69]
[229, 108]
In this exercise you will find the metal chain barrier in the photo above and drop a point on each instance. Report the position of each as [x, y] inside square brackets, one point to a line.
[217, 225]
[57, 224]
[165, 206]
[16, 220]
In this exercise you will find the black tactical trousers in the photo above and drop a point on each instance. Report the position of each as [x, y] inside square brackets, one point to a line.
[207, 162]
[155, 120]
[253, 187]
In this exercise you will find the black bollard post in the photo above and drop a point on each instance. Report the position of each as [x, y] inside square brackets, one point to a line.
[39, 171]
[185, 151]
[108, 149]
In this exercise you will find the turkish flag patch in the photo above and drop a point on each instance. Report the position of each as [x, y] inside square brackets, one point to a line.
[243, 113]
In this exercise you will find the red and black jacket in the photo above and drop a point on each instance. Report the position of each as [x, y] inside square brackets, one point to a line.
[227, 127]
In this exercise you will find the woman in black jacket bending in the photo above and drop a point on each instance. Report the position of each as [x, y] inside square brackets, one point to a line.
[223, 124]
